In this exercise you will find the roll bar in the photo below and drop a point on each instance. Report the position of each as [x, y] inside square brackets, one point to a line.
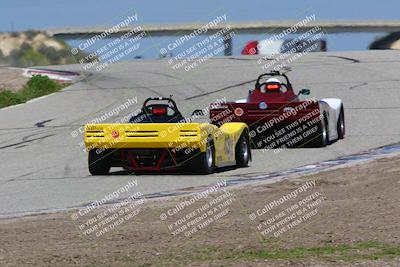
[272, 74]
[169, 99]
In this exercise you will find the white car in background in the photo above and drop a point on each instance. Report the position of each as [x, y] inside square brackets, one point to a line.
[271, 47]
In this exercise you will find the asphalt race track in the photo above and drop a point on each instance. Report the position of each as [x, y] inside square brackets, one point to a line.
[44, 168]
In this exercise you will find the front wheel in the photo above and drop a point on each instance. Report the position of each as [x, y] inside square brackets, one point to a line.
[242, 151]
[98, 162]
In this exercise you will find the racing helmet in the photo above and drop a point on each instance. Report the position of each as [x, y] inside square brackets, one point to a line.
[273, 85]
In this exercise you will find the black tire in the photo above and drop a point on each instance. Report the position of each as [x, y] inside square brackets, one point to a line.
[204, 162]
[341, 127]
[98, 163]
[242, 151]
[322, 138]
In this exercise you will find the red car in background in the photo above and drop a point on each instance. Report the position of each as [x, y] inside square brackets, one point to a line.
[277, 117]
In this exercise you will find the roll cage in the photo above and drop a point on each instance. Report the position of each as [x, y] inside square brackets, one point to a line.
[259, 84]
[159, 112]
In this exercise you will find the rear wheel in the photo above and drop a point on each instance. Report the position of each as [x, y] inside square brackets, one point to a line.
[98, 162]
[242, 151]
[204, 162]
[341, 127]
[323, 135]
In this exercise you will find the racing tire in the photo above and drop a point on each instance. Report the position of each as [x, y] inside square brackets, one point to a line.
[204, 162]
[322, 138]
[341, 127]
[98, 163]
[242, 151]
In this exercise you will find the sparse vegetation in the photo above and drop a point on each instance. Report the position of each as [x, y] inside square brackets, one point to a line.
[347, 252]
[370, 250]
[27, 56]
[36, 49]
[37, 86]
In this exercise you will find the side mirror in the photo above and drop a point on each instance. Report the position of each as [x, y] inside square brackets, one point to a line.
[198, 112]
[304, 92]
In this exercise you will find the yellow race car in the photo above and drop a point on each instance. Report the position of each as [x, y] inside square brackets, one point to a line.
[159, 138]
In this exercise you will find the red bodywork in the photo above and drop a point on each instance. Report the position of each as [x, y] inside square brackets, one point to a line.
[252, 113]
[257, 96]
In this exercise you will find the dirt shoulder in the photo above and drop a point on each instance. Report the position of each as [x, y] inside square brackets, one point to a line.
[344, 217]
[12, 79]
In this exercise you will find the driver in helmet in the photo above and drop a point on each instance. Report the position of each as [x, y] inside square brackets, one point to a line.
[273, 85]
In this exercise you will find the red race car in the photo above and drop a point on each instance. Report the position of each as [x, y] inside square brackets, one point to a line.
[277, 118]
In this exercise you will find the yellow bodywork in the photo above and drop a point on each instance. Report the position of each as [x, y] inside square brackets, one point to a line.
[178, 136]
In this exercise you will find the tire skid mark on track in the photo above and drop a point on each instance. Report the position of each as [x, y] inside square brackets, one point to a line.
[46, 126]
[41, 124]
[26, 141]
[358, 85]
[353, 60]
